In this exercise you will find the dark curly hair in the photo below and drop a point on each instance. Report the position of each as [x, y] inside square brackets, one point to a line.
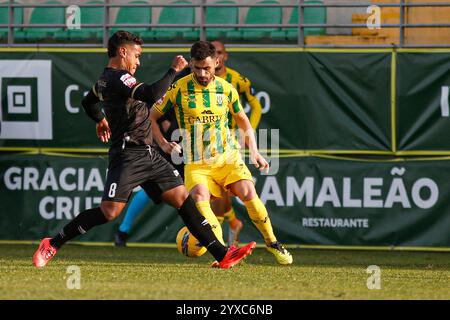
[120, 38]
[201, 50]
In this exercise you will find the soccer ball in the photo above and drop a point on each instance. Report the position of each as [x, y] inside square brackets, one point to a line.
[188, 245]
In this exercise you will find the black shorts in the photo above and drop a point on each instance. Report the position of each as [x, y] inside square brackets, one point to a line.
[178, 166]
[138, 166]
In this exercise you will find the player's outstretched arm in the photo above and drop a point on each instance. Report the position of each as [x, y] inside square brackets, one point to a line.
[244, 125]
[153, 92]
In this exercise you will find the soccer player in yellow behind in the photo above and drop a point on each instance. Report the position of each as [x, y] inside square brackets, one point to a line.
[222, 207]
[213, 163]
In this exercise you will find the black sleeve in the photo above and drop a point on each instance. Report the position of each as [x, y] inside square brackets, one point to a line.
[91, 106]
[170, 114]
[183, 73]
[152, 93]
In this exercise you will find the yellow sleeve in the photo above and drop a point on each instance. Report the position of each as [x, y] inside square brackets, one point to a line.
[233, 101]
[255, 106]
[167, 101]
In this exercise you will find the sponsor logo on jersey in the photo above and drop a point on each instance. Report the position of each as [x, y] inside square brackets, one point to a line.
[204, 119]
[128, 80]
[160, 101]
[219, 98]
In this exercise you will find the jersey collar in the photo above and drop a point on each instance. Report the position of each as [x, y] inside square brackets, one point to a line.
[196, 82]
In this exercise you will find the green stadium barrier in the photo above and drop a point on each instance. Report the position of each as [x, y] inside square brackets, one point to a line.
[88, 15]
[172, 15]
[43, 15]
[216, 15]
[310, 15]
[311, 201]
[133, 15]
[379, 102]
[4, 19]
[258, 15]
[308, 96]
[423, 99]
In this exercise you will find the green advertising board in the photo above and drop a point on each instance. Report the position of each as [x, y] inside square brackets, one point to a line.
[377, 102]
[423, 81]
[311, 200]
[327, 101]
[308, 96]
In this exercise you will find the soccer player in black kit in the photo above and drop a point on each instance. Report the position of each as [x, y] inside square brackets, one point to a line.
[132, 160]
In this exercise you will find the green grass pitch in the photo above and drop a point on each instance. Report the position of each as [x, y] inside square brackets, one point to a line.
[154, 272]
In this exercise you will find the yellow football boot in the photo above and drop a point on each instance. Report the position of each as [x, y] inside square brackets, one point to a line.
[281, 254]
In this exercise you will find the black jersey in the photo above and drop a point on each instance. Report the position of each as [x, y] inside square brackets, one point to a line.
[128, 118]
[126, 103]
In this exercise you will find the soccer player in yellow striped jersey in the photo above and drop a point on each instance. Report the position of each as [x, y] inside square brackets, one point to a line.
[213, 163]
[240, 82]
[222, 207]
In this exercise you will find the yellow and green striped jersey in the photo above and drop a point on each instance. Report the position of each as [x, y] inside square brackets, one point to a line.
[245, 89]
[202, 115]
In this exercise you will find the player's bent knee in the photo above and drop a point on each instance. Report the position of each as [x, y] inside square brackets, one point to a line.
[176, 196]
[111, 212]
[199, 195]
[246, 194]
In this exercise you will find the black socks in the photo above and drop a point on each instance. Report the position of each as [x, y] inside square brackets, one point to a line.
[201, 229]
[81, 224]
[192, 218]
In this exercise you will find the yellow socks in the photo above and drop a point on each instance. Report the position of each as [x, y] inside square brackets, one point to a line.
[258, 213]
[221, 219]
[230, 217]
[205, 209]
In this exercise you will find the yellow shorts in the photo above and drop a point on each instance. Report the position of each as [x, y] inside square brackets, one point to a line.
[217, 176]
